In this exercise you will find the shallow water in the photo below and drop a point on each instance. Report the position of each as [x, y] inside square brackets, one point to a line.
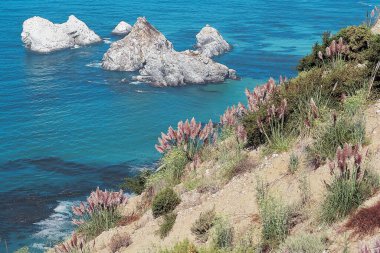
[67, 126]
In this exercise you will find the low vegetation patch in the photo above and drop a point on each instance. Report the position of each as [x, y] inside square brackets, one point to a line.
[293, 163]
[119, 241]
[351, 185]
[136, 184]
[305, 243]
[203, 224]
[165, 202]
[275, 218]
[167, 224]
[338, 131]
[223, 234]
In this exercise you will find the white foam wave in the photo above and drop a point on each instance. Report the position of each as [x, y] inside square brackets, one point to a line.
[107, 41]
[56, 227]
[94, 65]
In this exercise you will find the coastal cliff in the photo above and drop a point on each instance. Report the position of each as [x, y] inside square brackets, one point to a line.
[295, 168]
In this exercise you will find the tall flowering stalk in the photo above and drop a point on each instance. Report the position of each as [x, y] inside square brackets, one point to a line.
[231, 119]
[261, 94]
[275, 117]
[98, 201]
[348, 163]
[75, 244]
[335, 53]
[189, 136]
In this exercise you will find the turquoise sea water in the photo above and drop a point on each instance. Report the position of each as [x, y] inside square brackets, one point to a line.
[67, 126]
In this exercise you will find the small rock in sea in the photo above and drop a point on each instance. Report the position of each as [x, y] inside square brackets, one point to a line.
[41, 35]
[147, 50]
[123, 28]
[210, 43]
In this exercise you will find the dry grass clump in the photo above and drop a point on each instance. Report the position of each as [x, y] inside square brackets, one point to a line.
[128, 219]
[203, 224]
[119, 241]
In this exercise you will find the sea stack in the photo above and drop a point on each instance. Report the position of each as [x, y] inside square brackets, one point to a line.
[210, 43]
[123, 28]
[146, 50]
[43, 36]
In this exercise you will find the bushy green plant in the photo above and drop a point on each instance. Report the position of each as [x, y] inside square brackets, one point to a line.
[344, 196]
[363, 47]
[165, 202]
[305, 243]
[293, 163]
[311, 60]
[181, 247]
[350, 186]
[339, 131]
[100, 221]
[223, 234]
[355, 103]
[137, 183]
[175, 162]
[358, 40]
[167, 225]
[275, 217]
[203, 224]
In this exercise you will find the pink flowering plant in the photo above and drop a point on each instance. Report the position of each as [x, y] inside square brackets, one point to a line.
[351, 184]
[335, 53]
[75, 244]
[99, 213]
[189, 136]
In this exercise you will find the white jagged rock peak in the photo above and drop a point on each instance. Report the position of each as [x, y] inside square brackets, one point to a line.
[210, 43]
[146, 50]
[123, 28]
[43, 36]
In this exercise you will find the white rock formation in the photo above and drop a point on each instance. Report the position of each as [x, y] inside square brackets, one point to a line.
[41, 35]
[123, 28]
[147, 50]
[210, 43]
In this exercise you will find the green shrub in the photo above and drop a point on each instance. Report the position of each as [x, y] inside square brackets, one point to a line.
[293, 163]
[358, 40]
[344, 195]
[275, 218]
[355, 103]
[362, 44]
[167, 225]
[99, 221]
[137, 183]
[223, 234]
[303, 243]
[310, 61]
[333, 135]
[203, 224]
[175, 162]
[165, 202]
[181, 247]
